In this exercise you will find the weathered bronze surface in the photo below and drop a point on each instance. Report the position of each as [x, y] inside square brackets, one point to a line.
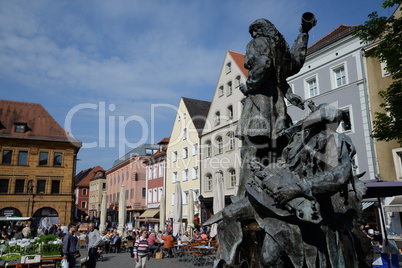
[298, 198]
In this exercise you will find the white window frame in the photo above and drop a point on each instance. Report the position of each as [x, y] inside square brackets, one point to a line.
[237, 81]
[229, 111]
[340, 128]
[194, 173]
[154, 195]
[185, 197]
[231, 182]
[397, 156]
[161, 170]
[335, 78]
[307, 86]
[149, 199]
[195, 149]
[229, 88]
[384, 73]
[217, 118]
[228, 67]
[84, 204]
[208, 182]
[185, 174]
[174, 156]
[208, 148]
[185, 152]
[231, 141]
[155, 171]
[174, 177]
[219, 145]
[185, 133]
[220, 91]
[160, 193]
[173, 198]
[196, 194]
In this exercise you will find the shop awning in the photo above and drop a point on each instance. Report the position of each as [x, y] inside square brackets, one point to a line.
[150, 213]
[367, 204]
[15, 219]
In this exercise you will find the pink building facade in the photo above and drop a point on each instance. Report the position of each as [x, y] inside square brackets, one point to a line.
[130, 171]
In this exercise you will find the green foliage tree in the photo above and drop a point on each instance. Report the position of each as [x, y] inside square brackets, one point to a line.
[387, 34]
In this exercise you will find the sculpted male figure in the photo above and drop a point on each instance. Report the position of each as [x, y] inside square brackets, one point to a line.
[269, 61]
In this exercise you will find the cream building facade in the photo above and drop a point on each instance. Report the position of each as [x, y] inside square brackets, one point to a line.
[183, 154]
[220, 148]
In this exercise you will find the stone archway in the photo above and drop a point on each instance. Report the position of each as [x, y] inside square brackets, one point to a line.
[45, 217]
[10, 212]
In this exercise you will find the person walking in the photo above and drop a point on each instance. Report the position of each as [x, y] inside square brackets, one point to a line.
[70, 245]
[93, 239]
[141, 250]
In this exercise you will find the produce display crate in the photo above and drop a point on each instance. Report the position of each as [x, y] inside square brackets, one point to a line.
[30, 259]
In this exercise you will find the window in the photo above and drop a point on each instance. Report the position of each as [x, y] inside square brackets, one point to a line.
[219, 145]
[131, 193]
[312, 88]
[194, 173]
[127, 175]
[161, 170]
[150, 151]
[19, 186]
[228, 67]
[384, 71]
[232, 178]
[185, 197]
[230, 111]
[155, 195]
[340, 77]
[103, 186]
[231, 141]
[208, 182]
[7, 156]
[174, 176]
[122, 177]
[84, 204]
[84, 191]
[220, 91]
[184, 133]
[114, 197]
[40, 186]
[149, 195]
[195, 149]
[184, 115]
[208, 148]
[346, 123]
[43, 156]
[155, 171]
[237, 81]
[196, 194]
[185, 152]
[160, 194]
[174, 156]
[22, 158]
[397, 155]
[57, 159]
[217, 118]
[56, 187]
[178, 118]
[173, 198]
[149, 173]
[185, 174]
[20, 128]
[229, 88]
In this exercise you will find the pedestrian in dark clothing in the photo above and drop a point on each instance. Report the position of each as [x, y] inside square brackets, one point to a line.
[70, 245]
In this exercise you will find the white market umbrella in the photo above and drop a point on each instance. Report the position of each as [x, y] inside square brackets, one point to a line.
[162, 213]
[219, 199]
[177, 210]
[103, 213]
[190, 212]
[122, 211]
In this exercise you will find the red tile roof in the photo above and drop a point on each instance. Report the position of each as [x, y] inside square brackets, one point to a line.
[40, 125]
[83, 178]
[164, 140]
[239, 59]
[338, 33]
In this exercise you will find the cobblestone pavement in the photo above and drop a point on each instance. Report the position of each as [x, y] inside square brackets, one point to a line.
[114, 260]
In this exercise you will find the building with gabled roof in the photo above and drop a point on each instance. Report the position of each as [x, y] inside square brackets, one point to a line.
[183, 153]
[220, 148]
[37, 165]
[82, 192]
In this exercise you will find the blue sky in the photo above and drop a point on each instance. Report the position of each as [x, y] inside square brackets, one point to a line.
[112, 72]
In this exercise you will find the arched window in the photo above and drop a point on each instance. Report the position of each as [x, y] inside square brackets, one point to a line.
[232, 178]
[231, 141]
[208, 182]
[208, 147]
[219, 145]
